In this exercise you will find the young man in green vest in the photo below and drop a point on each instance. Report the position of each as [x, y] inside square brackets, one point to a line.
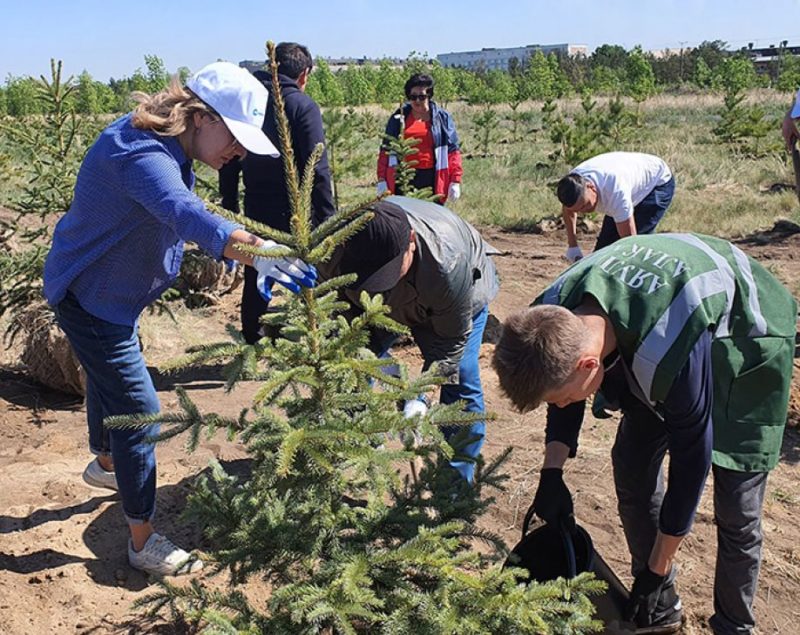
[694, 342]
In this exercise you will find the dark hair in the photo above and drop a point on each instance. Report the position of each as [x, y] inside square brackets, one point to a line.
[293, 59]
[419, 79]
[570, 189]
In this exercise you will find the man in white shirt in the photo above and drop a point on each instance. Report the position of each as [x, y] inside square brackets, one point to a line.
[632, 189]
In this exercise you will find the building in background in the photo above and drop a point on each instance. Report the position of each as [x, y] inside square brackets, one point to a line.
[765, 58]
[500, 58]
[334, 63]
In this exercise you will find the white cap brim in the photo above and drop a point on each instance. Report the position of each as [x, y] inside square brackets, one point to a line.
[251, 137]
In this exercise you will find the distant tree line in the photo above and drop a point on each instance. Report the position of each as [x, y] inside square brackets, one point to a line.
[21, 96]
[609, 70]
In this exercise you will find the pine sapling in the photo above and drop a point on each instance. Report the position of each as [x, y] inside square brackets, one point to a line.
[400, 149]
[347, 509]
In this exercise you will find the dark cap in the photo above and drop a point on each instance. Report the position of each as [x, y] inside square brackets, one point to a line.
[376, 252]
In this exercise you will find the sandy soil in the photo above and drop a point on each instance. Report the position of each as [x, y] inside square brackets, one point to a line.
[63, 564]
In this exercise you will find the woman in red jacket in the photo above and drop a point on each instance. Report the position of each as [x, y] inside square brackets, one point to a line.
[437, 156]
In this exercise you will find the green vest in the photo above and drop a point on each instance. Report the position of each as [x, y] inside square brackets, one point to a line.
[661, 292]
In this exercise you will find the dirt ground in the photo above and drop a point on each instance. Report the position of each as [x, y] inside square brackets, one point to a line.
[63, 565]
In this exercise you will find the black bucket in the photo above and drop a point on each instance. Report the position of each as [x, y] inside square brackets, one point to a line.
[547, 553]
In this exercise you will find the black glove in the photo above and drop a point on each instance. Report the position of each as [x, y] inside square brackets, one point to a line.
[553, 501]
[644, 597]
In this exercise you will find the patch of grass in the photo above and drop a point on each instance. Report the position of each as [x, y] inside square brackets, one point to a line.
[782, 496]
[718, 192]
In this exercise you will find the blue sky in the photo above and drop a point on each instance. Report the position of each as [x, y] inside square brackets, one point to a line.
[110, 38]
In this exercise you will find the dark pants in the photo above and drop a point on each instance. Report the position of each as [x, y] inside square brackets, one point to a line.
[253, 307]
[422, 179]
[638, 453]
[646, 215]
[264, 207]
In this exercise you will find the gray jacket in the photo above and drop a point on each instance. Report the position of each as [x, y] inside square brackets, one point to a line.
[452, 278]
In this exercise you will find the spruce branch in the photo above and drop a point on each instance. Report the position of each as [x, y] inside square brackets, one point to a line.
[343, 217]
[260, 229]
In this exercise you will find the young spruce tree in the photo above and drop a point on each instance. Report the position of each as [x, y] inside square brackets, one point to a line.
[400, 150]
[355, 531]
[53, 145]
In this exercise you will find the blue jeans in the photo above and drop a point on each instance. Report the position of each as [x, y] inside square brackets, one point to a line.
[117, 383]
[469, 389]
[645, 215]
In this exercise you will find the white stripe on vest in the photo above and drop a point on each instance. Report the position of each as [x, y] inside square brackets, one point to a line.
[671, 324]
[553, 291]
[760, 327]
[724, 267]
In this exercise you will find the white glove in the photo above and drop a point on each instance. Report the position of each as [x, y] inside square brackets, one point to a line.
[290, 272]
[414, 407]
[574, 254]
[381, 188]
[454, 192]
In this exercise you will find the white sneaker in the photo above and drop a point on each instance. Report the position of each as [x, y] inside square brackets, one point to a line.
[96, 476]
[160, 557]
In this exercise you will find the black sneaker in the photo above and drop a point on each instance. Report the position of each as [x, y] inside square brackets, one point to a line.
[668, 617]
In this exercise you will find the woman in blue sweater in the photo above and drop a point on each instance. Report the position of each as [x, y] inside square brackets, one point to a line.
[120, 246]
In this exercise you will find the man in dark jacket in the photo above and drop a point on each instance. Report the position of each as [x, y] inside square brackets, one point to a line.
[436, 274]
[265, 197]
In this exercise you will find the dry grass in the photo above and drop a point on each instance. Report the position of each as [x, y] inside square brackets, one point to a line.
[718, 191]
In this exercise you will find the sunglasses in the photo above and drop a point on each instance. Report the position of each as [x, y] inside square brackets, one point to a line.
[420, 97]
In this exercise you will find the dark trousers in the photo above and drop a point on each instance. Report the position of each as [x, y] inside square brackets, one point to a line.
[646, 215]
[637, 457]
[422, 179]
[253, 307]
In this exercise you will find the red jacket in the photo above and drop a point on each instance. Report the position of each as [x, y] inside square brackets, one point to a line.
[447, 154]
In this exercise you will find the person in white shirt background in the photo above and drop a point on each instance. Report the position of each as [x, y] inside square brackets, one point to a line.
[632, 189]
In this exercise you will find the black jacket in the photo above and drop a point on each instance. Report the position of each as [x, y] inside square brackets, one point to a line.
[265, 197]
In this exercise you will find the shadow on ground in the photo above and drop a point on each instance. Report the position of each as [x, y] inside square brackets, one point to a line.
[106, 536]
[790, 451]
[780, 232]
[19, 389]
[209, 377]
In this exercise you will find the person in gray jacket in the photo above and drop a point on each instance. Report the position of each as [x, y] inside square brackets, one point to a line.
[436, 274]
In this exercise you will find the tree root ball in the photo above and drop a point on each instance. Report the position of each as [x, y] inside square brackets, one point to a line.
[47, 353]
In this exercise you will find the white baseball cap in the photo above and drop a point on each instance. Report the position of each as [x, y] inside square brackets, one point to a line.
[241, 101]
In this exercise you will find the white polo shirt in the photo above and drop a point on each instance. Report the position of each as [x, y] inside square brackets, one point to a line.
[623, 180]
